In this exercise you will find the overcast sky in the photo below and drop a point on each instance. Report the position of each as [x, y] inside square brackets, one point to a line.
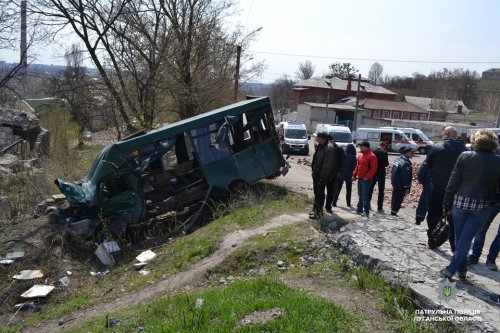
[425, 31]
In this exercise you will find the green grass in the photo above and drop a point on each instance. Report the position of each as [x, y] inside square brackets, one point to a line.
[223, 307]
[263, 202]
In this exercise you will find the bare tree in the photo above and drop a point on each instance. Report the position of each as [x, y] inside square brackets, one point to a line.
[375, 73]
[305, 70]
[154, 55]
[342, 71]
[76, 87]
[280, 93]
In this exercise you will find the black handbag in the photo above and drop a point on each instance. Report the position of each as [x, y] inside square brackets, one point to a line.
[440, 234]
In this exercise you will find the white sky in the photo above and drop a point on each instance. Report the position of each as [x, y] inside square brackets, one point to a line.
[425, 30]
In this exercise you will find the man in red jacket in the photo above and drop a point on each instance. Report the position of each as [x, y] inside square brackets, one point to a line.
[365, 170]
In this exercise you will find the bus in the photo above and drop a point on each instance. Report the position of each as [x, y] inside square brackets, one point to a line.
[175, 167]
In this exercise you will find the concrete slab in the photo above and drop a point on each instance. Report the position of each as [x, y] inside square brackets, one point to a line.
[399, 251]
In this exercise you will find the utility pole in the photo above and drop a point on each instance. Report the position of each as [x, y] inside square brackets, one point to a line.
[237, 72]
[24, 42]
[238, 59]
[355, 125]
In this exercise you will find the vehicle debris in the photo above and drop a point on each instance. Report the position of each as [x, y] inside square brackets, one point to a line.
[111, 246]
[99, 273]
[146, 256]
[6, 262]
[104, 256]
[144, 272]
[29, 305]
[28, 275]
[174, 170]
[63, 282]
[15, 255]
[37, 291]
[139, 265]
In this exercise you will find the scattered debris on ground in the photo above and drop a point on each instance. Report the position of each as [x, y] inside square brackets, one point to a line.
[260, 317]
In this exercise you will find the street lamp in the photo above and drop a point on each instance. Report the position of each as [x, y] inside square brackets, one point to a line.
[238, 57]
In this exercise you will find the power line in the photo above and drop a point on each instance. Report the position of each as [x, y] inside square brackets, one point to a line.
[370, 59]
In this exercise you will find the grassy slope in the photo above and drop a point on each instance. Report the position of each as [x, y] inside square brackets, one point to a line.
[176, 254]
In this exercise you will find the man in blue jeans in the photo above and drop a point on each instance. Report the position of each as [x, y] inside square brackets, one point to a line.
[366, 168]
[477, 248]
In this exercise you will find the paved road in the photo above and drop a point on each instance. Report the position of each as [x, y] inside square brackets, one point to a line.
[299, 180]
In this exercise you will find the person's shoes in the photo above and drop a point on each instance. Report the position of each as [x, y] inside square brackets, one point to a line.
[349, 205]
[418, 222]
[380, 211]
[443, 275]
[394, 214]
[329, 210]
[365, 215]
[431, 244]
[462, 276]
[359, 213]
[472, 260]
[334, 205]
[495, 298]
[491, 265]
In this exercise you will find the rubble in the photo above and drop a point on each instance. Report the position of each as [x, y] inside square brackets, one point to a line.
[260, 317]
[146, 256]
[15, 255]
[37, 291]
[28, 275]
[104, 255]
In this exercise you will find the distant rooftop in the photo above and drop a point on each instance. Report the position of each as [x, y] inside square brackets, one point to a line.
[340, 84]
[346, 107]
[491, 70]
[376, 104]
[436, 104]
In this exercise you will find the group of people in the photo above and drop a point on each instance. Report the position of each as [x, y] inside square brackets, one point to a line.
[459, 184]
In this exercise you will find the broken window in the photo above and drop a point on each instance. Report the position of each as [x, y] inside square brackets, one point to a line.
[210, 146]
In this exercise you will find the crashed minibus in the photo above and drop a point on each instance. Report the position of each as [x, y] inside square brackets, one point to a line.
[177, 166]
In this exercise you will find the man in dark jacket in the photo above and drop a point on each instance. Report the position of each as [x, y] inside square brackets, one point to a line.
[379, 178]
[332, 180]
[322, 167]
[346, 175]
[441, 160]
[401, 179]
[424, 178]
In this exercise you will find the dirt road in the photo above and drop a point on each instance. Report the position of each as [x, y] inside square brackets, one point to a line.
[299, 180]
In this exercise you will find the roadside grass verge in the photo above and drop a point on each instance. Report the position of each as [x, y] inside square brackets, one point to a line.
[222, 308]
[294, 244]
[257, 205]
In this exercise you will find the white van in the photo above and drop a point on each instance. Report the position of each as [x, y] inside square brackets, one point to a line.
[293, 138]
[395, 139]
[422, 141]
[341, 134]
